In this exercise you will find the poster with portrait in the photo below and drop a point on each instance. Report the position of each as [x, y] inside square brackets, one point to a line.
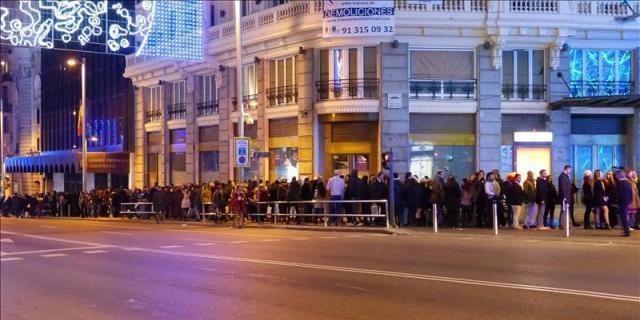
[284, 162]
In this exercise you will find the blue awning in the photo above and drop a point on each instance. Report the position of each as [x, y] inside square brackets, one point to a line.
[53, 161]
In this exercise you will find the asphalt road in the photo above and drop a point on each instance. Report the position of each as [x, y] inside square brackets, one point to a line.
[71, 269]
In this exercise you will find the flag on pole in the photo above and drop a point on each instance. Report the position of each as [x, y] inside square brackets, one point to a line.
[80, 116]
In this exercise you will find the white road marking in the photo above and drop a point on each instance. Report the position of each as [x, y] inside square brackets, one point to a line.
[241, 241]
[130, 249]
[269, 240]
[120, 233]
[468, 238]
[354, 236]
[506, 285]
[328, 237]
[50, 250]
[170, 247]
[300, 239]
[531, 241]
[204, 244]
[6, 240]
[10, 259]
[95, 251]
[53, 255]
[49, 227]
[86, 243]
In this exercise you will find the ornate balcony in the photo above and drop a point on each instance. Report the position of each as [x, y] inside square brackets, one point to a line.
[153, 116]
[285, 95]
[348, 89]
[601, 88]
[442, 89]
[523, 92]
[207, 108]
[177, 111]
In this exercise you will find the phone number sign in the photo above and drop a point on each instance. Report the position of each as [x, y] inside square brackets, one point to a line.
[349, 18]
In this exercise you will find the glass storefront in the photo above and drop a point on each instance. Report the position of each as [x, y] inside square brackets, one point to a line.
[595, 157]
[426, 160]
[284, 163]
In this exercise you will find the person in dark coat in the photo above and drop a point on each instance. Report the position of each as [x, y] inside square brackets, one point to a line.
[624, 195]
[600, 200]
[356, 190]
[552, 200]
[398, 201]
[412, 197]
[293, 194]
[452, 197]
[565, 192]
[542, 193]
[587, 198]
[306, 194]
[196, 201]
[160, 201]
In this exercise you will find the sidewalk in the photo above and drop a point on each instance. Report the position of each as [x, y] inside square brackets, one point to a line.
[576, 235]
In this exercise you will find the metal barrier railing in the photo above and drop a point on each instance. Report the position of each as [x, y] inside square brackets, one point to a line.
[131, 209]
[325, 214]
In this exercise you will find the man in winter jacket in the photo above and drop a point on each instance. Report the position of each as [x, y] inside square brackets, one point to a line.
[542, 193]
[529, 187]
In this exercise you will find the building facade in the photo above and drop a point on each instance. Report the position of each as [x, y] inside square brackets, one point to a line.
[463, 85]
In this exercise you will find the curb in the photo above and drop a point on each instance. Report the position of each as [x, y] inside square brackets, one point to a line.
[326, 229]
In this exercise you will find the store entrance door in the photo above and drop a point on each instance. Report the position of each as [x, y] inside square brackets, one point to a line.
[347, 162]
[532, 158]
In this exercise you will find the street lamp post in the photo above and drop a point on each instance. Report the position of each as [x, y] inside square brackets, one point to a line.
[2, 168]
[238, 26]
[83, 75]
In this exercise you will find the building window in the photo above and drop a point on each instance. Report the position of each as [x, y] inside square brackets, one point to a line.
[596, 157]
[427, 160]
[523, 75]
[212, 15]
[209, 165]
[600, 72]
[207, 95]
[249, 81]
[282, 81]
[177, 108]
[153, 106]
[348, 73]
[153, 169]
[178, 165]
[442, 75]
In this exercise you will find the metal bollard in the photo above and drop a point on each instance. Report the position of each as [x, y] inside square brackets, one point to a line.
[495, 217]
[435, 217]
[566, 218]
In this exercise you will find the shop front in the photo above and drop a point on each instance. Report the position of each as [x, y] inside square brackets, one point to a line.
[283, 148]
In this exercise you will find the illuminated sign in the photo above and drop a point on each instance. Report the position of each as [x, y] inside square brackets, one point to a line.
[532, 136]
[169, 28]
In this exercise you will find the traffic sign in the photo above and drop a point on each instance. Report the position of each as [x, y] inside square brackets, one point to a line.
[241, 152]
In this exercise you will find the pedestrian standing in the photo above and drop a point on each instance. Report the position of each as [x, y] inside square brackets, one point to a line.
[238, 205]
[625, 198]
[632, 212]
[453, 195]
[600, 201]
[587, 199]
[552, 200]
[185, 204]
[542, 190]
[336, 188]
[530, 207]
[565, 192]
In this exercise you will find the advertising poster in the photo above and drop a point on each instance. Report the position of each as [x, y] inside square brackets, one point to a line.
[357, 18]
[285, 162]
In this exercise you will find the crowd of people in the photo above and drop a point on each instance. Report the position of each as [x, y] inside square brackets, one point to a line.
[609, 199]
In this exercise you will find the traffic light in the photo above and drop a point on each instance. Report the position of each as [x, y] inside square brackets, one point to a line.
[386, 160]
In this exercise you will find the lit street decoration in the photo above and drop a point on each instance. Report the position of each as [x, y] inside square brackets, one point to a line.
[153, 28]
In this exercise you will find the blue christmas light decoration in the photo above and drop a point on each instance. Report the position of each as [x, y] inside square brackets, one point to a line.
[600, 72]
[177, 31]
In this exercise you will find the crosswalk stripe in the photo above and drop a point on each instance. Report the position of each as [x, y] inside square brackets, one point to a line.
[10, 259]
[95, 251]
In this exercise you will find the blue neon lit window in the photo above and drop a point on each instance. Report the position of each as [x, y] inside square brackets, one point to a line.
[600, 72]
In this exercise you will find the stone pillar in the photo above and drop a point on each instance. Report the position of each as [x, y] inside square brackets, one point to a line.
[394, 123]
[164, 168]
[227, 92]
[139, 139]
[306, 88]
[191, 130]
[489, 116]
[262, 134]
[559, 120]
[636, 116]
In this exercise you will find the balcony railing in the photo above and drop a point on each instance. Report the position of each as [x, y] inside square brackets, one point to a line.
[601, 88]
[177, 111]
[250, 102]
[282, 95]
[524, 92]
[207, 108]
[348, 89]
[442, 89]
[153, 116]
